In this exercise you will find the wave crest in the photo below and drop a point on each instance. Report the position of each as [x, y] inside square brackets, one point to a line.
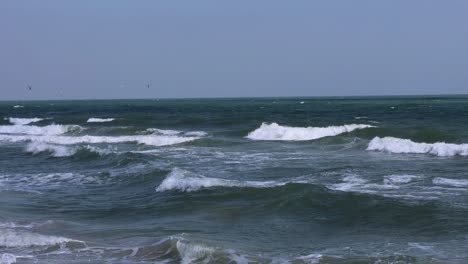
[56, 150]
[23, 121]
[182, 180]
[153, 140]
[274, 131]
[399, 145]
[11, 238]
[99, 120]
[36, 130]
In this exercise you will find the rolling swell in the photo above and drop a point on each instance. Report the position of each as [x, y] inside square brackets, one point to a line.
[295, 194]
[276, 132]
[312, 202]
[398, 145]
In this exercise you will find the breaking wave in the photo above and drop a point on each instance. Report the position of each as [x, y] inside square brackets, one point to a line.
[23, 121]
[168, 132]
[11, 238]
[450, 182]
[63, 151]
[36, 130]
[153, 140]
[274, 131]
[99, 120]
[182, 180]
[56, 150]
[399, 145]
[6, 258]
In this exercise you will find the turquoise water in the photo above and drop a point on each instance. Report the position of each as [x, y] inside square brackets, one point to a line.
[257, 180]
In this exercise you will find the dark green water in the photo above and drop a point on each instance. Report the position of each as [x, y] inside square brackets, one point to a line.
[273, 180]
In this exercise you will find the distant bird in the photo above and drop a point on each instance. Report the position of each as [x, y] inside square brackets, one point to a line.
[148, 86]
[29, 87]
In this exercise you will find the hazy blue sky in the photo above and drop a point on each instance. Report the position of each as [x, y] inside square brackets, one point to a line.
[112, 49]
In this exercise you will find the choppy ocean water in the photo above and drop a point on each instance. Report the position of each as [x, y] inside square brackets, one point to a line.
[272, 180]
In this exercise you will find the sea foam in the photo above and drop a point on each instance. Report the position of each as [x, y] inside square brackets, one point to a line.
[399, 145]
[99, 120]
[37, 130]
[274, 131]
[450, 182]
[23, 121]
[153, 140]
[56, 150]
[11, 238]
[6, 258]
[182, 180]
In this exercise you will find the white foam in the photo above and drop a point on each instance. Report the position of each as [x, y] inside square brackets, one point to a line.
[153, 140]
[63, 151]
[399, 179]
[23, 121]
[99, 120]
[169, 132]
[191, 253]
[6, 258]
[274, 131]
[56, 150]
[11, 238]
[399, 145]
[49, 180]
[196, 133]
[18, 106]
[182, 180]
[354, 183]
[163, 131]
[450, 182]
[350, 182]
[310, 259]
[36, 130]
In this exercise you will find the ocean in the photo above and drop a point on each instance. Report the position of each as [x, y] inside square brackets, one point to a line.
[246, 180]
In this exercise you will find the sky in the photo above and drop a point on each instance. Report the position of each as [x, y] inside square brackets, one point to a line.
[112, 49]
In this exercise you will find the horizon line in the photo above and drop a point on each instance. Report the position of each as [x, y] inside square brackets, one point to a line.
[240, 97]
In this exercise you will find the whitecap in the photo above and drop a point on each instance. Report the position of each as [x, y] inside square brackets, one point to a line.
[169, 132]
[6, 258]
[196, 133]
[191, 253]
[36, 130]
[163, 131]
[23, 121]
[274, 131]
[153, 140]
[11, 238]
[56, 150]
[18, 106]
[399, 145]
[450, 182]
[310, 259]
[182, 180]
[354, 183]
[99, 120]
[399, 179]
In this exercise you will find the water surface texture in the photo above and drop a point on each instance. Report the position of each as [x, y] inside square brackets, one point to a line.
[271, 180]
